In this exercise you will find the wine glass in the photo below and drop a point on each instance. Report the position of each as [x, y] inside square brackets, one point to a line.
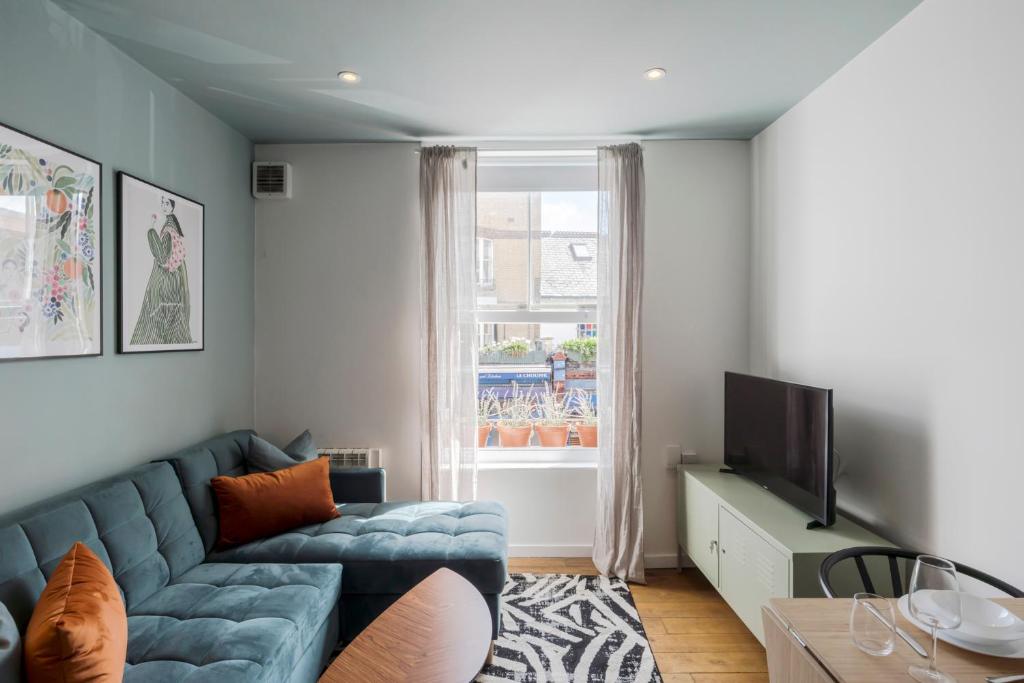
[872, 623]
[934, 601]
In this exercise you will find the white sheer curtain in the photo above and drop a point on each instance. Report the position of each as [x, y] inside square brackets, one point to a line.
[448, 396]
[618, 541]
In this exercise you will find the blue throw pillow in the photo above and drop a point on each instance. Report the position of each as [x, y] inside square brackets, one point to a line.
[10, 647]
[302, 447]
[266, 457]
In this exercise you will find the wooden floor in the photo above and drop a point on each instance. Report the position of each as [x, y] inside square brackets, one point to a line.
[696, 638]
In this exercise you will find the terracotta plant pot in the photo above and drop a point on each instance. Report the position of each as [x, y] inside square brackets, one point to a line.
[514, 437]
[588, 435]
[483, 431]
[555, 436]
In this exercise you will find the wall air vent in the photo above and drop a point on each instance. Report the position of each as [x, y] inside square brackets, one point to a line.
[271, 180]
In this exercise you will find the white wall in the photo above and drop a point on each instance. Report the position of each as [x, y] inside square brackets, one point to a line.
[337, 323]
[551, 511]
[888, 237]
[695, 310]
[337, 303]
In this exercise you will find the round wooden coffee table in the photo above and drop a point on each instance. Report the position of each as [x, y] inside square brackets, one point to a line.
[440, 631]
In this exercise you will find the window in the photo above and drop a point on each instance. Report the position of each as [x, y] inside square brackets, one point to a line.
[485, 263]
[537, 311]
[580, 251]
[536, 251]
[487, 335]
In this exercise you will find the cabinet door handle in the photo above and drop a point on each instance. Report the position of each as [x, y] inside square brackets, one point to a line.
[712, 546]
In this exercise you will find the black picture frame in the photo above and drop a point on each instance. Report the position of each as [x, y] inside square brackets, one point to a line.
[97, 203]
[129, 348]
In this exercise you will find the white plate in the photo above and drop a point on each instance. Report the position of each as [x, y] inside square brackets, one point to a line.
[987, 621]
[984, 622]
[1011, 650]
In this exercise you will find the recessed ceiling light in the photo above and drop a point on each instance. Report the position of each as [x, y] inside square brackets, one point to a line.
[349, 77]
[655, 74]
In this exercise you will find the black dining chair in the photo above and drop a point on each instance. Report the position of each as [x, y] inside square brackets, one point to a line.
[899, 586]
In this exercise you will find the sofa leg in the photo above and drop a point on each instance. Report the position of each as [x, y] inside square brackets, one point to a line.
[490, 654]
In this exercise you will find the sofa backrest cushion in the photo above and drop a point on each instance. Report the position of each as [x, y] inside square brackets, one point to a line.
[138, 523]
[221, 456]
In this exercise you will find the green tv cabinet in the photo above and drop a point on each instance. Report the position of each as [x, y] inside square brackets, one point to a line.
[752, 545]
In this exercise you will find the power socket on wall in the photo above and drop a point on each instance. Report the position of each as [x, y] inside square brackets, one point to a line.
[675, 455]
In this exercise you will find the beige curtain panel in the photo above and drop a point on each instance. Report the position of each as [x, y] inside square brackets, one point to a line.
[448, 395]
[619, 536]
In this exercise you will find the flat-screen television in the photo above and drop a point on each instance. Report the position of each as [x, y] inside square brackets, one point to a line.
[779, 435]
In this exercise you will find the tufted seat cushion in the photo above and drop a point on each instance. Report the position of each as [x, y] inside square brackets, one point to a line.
[390, 547]
[225, 622]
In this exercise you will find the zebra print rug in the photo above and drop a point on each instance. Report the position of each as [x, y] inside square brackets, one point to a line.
[565, 628]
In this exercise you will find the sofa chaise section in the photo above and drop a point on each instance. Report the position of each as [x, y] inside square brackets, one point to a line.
[265, 622]
[388, 548]
[385, 547]
[188, 620]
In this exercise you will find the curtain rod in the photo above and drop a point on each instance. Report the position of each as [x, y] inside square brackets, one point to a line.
[495, 147]
[529, 143]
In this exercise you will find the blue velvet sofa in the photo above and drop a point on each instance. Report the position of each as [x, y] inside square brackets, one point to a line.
[271, 611]
[385, 548]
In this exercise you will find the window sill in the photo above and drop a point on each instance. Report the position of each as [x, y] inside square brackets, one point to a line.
[536, 458]
[493, 466]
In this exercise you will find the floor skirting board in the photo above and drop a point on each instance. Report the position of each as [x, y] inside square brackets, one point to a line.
[545, 550]
[651, 561]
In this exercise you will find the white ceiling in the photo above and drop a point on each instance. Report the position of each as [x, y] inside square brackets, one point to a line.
[492, 69]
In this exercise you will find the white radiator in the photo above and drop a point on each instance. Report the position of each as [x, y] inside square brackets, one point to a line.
[353, 457]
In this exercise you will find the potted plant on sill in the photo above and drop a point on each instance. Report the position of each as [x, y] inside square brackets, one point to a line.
[515, 347]
[582, 350]
[515, 421]
[486, 409]
[553, 426]
[586, 426]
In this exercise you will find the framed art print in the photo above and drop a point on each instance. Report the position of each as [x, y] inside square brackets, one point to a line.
[50, 259]
[160, 281]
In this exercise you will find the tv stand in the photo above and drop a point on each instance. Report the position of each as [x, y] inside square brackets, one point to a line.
[814, 524]
[727, 470]
[751, 544]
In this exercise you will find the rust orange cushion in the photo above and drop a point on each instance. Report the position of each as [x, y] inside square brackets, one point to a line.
[79, 629]
[268, 503]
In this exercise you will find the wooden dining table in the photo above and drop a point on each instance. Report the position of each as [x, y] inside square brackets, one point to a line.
[808, 641]
[438, 632]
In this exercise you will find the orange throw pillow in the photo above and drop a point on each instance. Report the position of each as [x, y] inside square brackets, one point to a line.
[79, 629]
[268, 503]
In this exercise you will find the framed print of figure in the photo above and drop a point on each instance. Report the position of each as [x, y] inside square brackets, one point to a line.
[160, 280]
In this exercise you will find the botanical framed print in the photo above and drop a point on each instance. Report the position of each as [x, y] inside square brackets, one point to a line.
[51, 303]
[160, 282]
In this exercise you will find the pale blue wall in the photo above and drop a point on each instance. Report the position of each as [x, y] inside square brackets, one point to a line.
[67, 422]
